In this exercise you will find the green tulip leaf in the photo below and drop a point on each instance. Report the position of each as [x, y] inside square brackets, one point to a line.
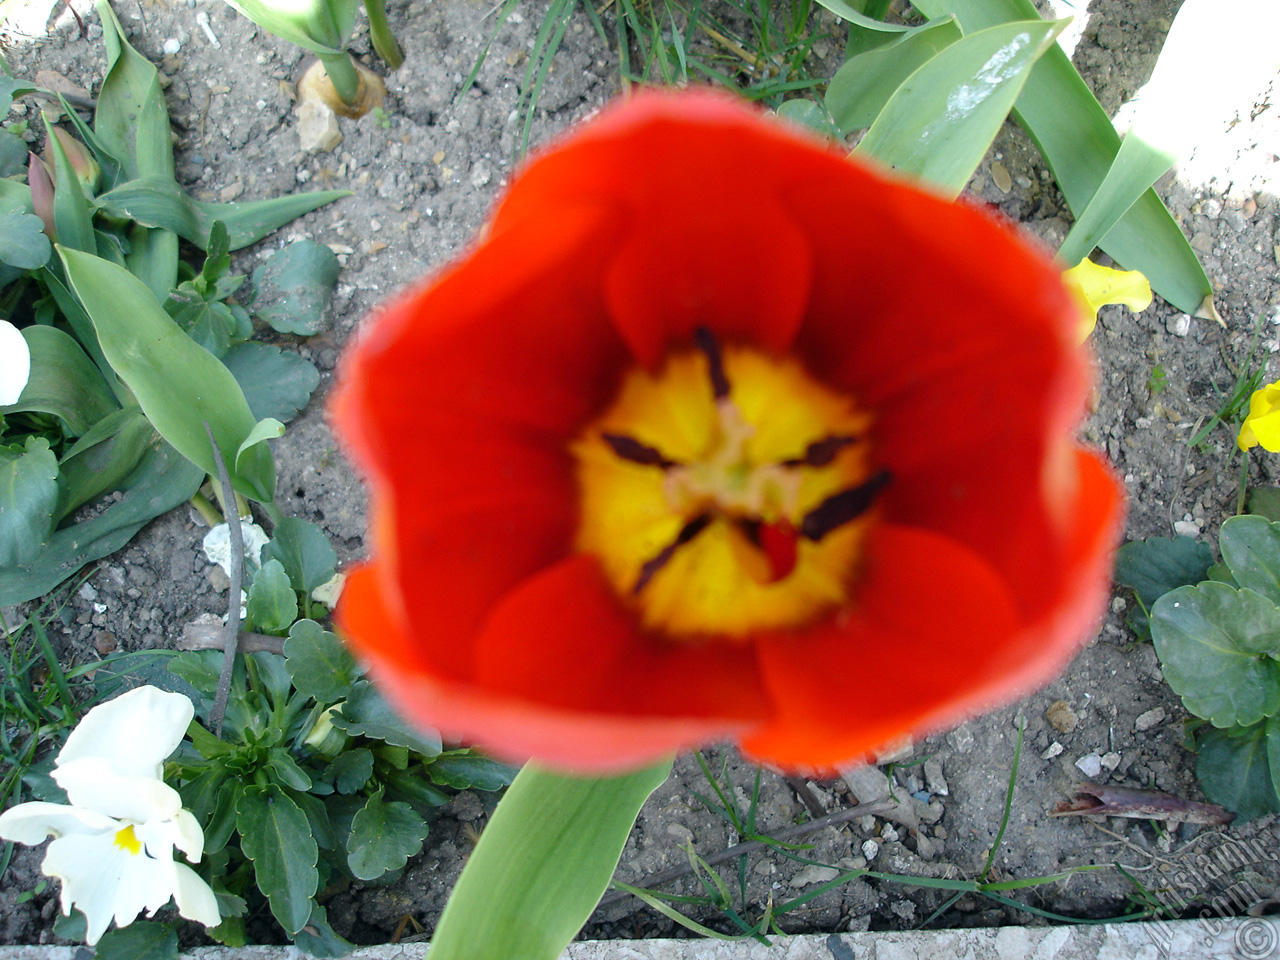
[180, 386]
[317, 661]
[264, 430]
[276, 383]
[318, 27]
[272, 604]
[22, 240]
[131, 121]
[1153, 567]
[1235, 771]
[367, 714]
[805, 113]
[861, 88]
[293, 288]
[383, 837]
[1251, 549]
[102, 459]
[1218, 648]
[304, 551]
[64, 382]
[72, 211]
[28, 499]
[276, 836]
[940, 122]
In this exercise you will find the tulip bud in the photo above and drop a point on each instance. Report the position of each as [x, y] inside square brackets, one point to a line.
[326, 739]
[41, 184]
[86, 168]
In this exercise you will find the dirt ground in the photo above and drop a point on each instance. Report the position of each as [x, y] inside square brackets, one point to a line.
[423, 176]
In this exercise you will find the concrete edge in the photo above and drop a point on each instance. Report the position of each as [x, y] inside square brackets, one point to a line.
[1211, 938]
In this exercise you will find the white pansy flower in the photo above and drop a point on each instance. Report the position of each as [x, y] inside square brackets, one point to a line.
[15, 363]
[114, 843]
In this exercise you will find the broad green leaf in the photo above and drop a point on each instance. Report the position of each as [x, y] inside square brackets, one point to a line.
[284, 771]
[1234, 771]
[291, 291]
[276, 383]
[352, 769]
[412, 787]
[383, 837]
[254, 444]
[159, 202]
[131, 121]
[162, 480]
[72, 211]
[321, 26]
[22, 240]
[304, 551]
[1079, 143]
[861, 88]
[318, 939]
[64, 382]
[1273, 752]
[847, 11]
[272, 604]
[807, 114]
[102, 459]
[1153, 567]
[179, 385]
[213, 325]
[367, 714]
[1251, 549]
[1265, 502]
[141, 940]
[940, 122]
[222, 820]
[316, 659]
[275, 835]
[13, 153]
[1218, 649]
[541, 864]
[11, 87]
[28, 499]
[470, 772]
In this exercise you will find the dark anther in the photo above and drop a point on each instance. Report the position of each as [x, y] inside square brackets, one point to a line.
[839, 508]
[821, 452]
[708, 344]
[687, 533]
[629, 448]
[750, 528]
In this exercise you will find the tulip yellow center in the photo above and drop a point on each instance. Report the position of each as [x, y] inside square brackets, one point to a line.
[126, 839]
[726, 492]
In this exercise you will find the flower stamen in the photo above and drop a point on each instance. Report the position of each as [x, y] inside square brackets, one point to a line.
[820, 453]
[652, 566]
[706, 341]
[840, 508]
[629, 448]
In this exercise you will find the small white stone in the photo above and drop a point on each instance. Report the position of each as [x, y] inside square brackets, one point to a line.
[1055, 748]
[87, 592]
[1090, 765]
[888, 834]
[869, 849]
[1186, 528]
[1110, 760]
[1179, 324]
[934, 779]
[171, 46]
[1152, 718]
[812, 874]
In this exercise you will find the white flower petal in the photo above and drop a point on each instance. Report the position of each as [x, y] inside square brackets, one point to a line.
[135, 732]
[181, 831]
[15, 363]
[90, 868]
[194, 897]
[146, 884]
[189, 837]
[32, 822]
[92, 784]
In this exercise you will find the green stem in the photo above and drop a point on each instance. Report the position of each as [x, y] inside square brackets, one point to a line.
[541, 864]
[1244, 483]
[342, 73]
[206, 509]
[384, 40]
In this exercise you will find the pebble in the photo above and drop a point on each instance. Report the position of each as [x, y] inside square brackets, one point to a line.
[317, 127]
[814, 873]
[171, 46]
[1179, 324]
[1150, 719]
[934, 779]
[1090, 765]
[1055, 748]
[888, 834]
[1110, 760]
[1061, 717]
[87, 592]
[1186, 528]
[1000, 177]
[869, 849]
[104, 641]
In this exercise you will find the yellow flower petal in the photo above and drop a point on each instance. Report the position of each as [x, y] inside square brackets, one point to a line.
[1262, 425]
[1096, 286]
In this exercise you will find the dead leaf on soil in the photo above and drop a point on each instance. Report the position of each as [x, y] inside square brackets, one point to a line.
[1094, 801]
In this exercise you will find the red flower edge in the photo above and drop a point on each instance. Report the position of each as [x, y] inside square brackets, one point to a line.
[988, 562]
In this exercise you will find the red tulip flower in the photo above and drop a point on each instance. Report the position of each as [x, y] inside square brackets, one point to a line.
[717, 434]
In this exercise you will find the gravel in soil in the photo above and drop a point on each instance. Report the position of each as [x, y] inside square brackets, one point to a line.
[423, 175]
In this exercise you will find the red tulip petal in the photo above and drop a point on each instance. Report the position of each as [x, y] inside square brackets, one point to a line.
[511, 728]
[698, 251]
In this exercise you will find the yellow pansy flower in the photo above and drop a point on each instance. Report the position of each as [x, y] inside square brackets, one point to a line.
[1262, 426]
[1096, 286]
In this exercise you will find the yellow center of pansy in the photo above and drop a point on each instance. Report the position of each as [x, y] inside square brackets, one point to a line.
[726, 492]
[126, 839]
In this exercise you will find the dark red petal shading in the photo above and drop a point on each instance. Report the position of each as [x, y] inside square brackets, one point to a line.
[695, 180]
[511, 728]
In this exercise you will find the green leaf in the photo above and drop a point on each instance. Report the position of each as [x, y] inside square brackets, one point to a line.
[104, 457]
[940, 122]
[304, 551]
[22, 240]
[276, 383]
[215, 326]
[222, 821]
[13, 155]
[159, 202]
[411, 786]
[383, 838]
[255, 443]
[72, 212]
[541, 864]
[471, 772]
[1273, 752]
[147, 349]
[1251, 549]
[367, 714]
[1265, 502]
[131, 120]
[1078, 141]
[317, 661]
[1217, 647]
[1153, 567]
[319, 26]
[318, 939]
[293, 288]
[28, 499]
[1234, 771]
[861, 88]
[807, 114]
[272, 604]
[351, 770]
[64, 382]
[275, 835]
[284, 771]
[846, 11]
[140, 940]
